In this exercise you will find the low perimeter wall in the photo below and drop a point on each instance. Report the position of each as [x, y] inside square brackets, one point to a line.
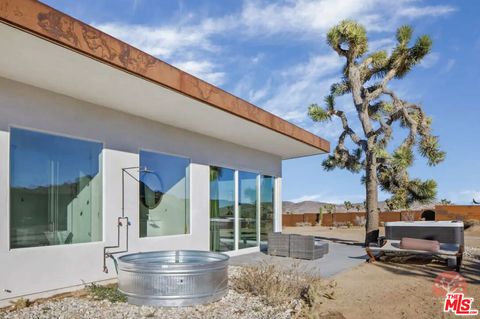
[442, 212]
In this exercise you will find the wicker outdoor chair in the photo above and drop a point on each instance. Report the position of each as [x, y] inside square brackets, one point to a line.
[307, 247]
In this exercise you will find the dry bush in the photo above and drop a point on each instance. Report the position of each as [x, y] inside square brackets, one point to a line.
[277, 286]
[360, 221]
[408, 216]
[327, 315]
[469, 223]
[303, 224]
[105, 292]
[314, 299]
[19, 304]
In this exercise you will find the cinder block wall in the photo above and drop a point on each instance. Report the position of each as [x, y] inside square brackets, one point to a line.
[442, 212]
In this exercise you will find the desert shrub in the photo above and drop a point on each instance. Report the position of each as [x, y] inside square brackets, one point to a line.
[408, 216]
[19, 304]
[275, 285]
[313, 301]
[359, 221]
[470, 222]
[303, 224]
[108, 292]
[320, 315]
[340, 224]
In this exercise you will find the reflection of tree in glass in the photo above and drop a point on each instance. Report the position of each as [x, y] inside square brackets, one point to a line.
[214, 173]
[250, 195]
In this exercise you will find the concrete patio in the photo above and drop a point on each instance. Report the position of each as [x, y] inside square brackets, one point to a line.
[341, 257]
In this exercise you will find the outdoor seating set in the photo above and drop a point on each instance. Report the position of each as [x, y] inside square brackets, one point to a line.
[442, 240]
[296, 246]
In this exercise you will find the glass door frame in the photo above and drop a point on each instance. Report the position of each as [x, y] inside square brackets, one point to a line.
[237, 209]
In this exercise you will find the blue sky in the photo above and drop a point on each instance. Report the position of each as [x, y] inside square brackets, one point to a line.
[273, 53]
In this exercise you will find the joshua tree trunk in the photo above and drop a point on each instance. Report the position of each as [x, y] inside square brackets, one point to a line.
[371, 225]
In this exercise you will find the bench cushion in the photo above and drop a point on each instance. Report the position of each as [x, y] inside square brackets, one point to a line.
[419, 244]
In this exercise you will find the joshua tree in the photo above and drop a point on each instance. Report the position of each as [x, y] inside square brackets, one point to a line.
[445, 201]
[320, 216]
[392, 205]
[358, 207]
[331, 208]
[348, 205]
[366, 78]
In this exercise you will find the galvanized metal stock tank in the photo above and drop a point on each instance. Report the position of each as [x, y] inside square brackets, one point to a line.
[173, 278]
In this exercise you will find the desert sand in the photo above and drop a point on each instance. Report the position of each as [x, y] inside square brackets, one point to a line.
[388, 289]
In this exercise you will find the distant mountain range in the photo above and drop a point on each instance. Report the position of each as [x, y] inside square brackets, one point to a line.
[313, 207]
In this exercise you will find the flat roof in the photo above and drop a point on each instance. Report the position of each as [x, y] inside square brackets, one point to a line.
[45, 23]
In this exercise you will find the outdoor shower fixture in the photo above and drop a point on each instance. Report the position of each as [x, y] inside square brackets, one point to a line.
[149, 200]
[164, 278]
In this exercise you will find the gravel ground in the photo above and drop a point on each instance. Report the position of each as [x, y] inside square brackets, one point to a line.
[232, 306]
[472, 253]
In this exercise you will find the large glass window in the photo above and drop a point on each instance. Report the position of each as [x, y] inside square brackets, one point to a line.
[164, 194]
[267, 191]
[55, 190]
[222, 209]
[247, 209]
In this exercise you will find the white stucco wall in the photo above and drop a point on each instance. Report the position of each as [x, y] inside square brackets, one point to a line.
[44, 270]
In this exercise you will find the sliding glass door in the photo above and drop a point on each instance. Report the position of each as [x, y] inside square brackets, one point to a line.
[241, 209]
[247, 209]
[267, 197]
[222, 209]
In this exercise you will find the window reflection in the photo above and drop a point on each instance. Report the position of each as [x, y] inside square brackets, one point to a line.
[55, 190]
[164, 194]
[267, 188]
[222, 209]
[247, 208]
[151, 188]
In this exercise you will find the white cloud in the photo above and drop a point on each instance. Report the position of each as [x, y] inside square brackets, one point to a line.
[430, 60]
[204, 70]
[317, 16]
[450, 64]
[292, 90]
[302, 15]
[434, 11]
[258, 58]
[185, 45]
[193, 43]
[288, 92]
[302, 84]
[258, 95]
[246, 88]
[386, 44]
[162, 41]
[329, 130]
